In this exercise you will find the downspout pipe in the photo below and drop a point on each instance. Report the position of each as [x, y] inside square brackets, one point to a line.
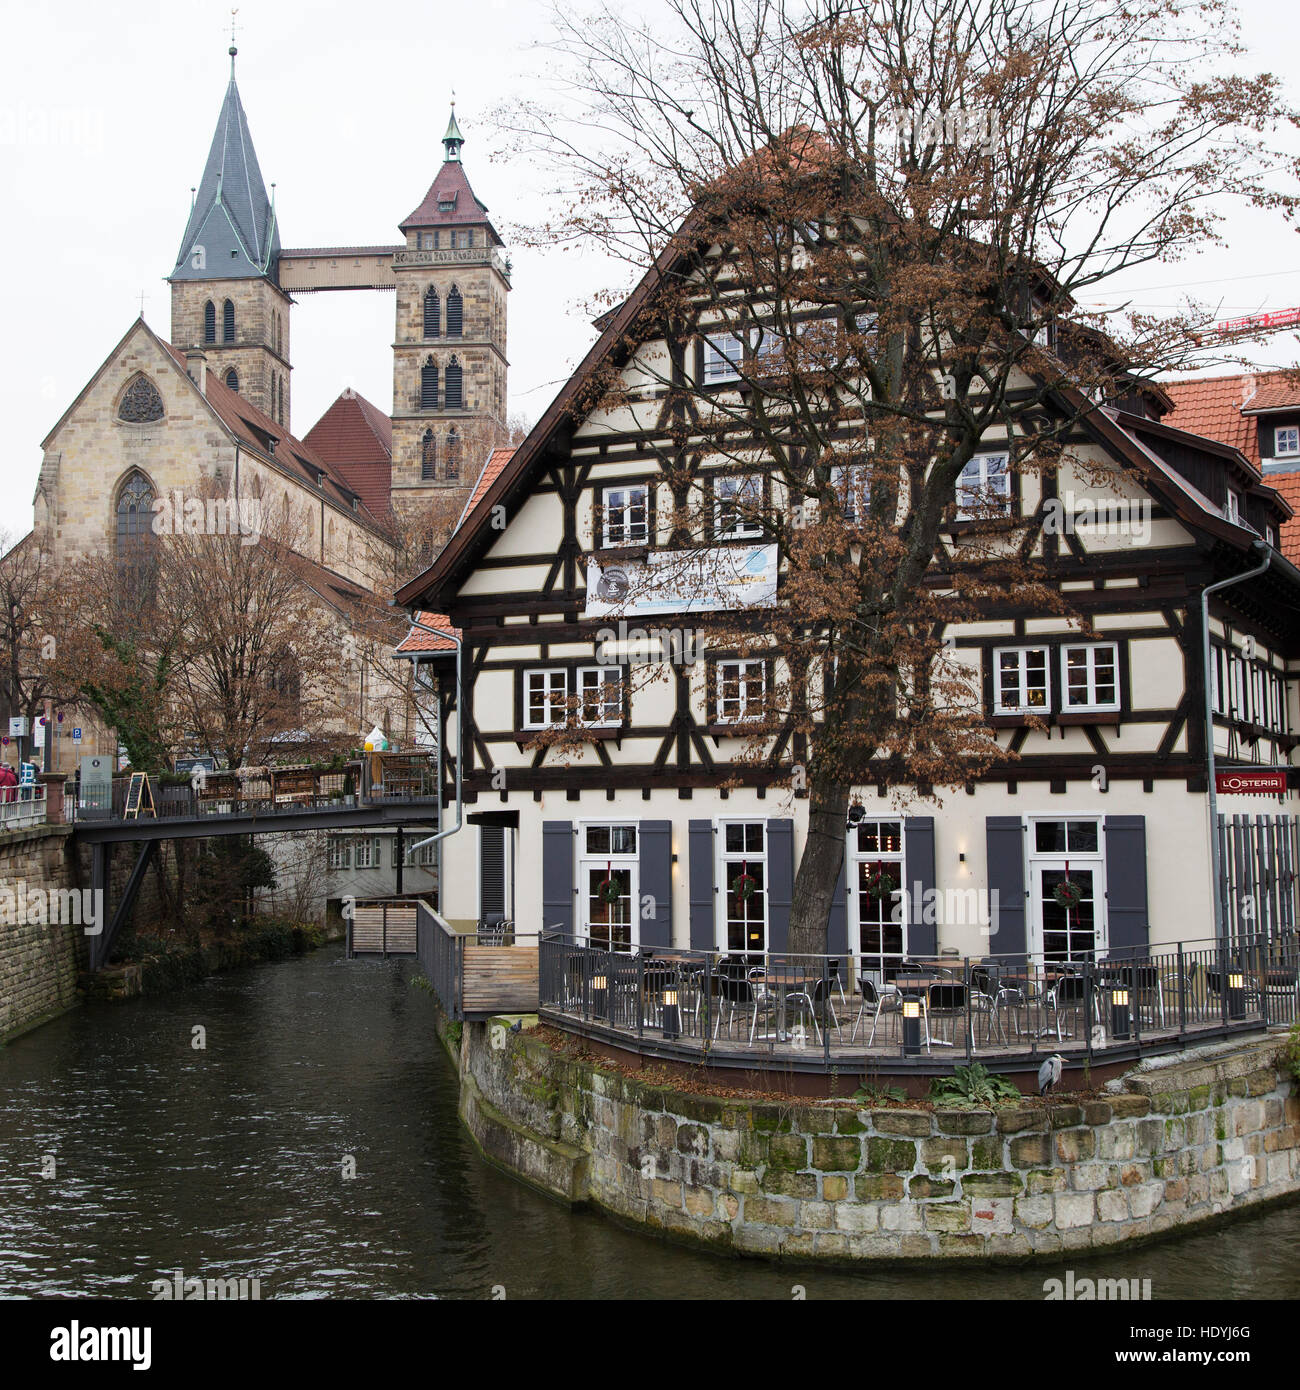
[1259, 548]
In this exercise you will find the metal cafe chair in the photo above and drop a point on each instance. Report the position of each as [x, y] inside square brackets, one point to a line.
[876, 1004]
[496, 933]
[734, 992]
[943, 1001]
[1067, 994]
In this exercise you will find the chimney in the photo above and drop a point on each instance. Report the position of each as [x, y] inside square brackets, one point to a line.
[196, 365]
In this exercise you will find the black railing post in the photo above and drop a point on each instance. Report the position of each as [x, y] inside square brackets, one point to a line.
[1089, 1010]
[1135, 1002]
[640, 996]
[969, 1018]
[1182, 991]
[827, 1010]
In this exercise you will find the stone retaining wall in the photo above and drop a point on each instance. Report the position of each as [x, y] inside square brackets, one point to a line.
[1177, 1141]
[38, 961]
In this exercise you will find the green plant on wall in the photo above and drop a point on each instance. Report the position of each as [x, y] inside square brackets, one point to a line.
[973, 1085]
[1290, 1055]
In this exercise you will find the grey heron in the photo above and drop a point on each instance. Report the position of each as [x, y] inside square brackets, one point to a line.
[1050, 1073]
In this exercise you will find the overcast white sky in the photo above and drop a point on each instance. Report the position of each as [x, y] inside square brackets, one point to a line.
[106, 115]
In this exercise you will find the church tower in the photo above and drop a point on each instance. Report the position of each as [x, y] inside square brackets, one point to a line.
[449, 348]
[226, 297]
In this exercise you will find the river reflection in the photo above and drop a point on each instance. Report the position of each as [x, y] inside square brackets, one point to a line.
[228, 1162]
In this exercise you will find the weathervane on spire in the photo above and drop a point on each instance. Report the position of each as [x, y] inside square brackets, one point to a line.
[233, 49]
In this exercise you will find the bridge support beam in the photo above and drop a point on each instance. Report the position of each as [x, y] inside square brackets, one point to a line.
[101, 946]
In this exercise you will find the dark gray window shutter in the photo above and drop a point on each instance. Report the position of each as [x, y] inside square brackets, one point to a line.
[700, 855]
[655, 864]
[492, 872]
[918, 856]
[1126, 883]
[1004, 838]
[557, 875]
[837, 928]
[780, 882]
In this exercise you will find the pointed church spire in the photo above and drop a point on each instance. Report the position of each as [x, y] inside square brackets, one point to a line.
[453, 140]
[232, 231]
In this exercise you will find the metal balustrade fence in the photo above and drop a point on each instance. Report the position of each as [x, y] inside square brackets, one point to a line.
[1260, 859]
[801, 1008]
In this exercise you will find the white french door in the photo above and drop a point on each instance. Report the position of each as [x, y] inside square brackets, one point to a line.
[608, 885]
[1067, 888]
[874, 872]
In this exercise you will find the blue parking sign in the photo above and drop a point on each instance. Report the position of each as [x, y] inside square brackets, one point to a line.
[76, 735]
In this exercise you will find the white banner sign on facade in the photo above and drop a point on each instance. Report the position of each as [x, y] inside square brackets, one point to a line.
[683, 581]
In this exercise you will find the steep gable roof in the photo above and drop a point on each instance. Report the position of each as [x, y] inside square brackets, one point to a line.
[356, 437]
[420, 642]
[450, 185]
[232, 231]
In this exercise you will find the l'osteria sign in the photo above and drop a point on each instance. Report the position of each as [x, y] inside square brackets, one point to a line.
[1249, 782]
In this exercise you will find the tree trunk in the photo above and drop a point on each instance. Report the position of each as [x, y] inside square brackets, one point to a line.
[819, 868]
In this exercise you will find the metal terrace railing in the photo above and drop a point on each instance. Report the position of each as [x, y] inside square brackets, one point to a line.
[827, 1011]
[259, 792]
[27, 807]
[478, 973]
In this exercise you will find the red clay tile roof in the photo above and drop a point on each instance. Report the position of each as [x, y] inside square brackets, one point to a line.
[1288, 485]
[449, 186]
[357, 438]
[1277, 395]
[496, 461]
[1212, 405]
[418, 642]
[253, 429]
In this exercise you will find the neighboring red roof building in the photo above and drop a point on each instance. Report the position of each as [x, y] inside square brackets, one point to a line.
[1257, 413]
[357, 438]
[496, 461]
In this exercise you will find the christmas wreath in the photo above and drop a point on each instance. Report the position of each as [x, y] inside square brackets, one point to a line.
[1068, 895]
[744, 886]
[609, 891]
[880, 883]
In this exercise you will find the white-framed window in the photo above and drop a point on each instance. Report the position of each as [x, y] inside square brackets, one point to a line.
[852, 484]
[546, 695]
[737, 506]
[367, 852]
[598, 689]
[984, 487]
[601, 692]
[1233, 507]
[608, 884]
[769, 350]
[740, 692]
[1286, 441]
[425, 857]
[340, 852]
[625, 515]
[1022, 682]
[742, 886]
[867, 324]
[1247, 691]
[1270, 535]
[723, 356]
[1090, 676]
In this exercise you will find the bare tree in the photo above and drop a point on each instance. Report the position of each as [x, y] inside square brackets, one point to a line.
[881, 216]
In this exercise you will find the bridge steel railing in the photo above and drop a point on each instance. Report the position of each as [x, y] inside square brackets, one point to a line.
[441, 953]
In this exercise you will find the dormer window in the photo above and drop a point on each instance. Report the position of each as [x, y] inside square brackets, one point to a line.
[1233, 508]
[1286, 442]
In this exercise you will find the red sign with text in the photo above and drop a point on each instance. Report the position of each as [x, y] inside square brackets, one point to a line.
[1248, 782]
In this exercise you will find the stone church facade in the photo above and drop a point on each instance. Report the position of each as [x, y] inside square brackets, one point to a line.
[211, 407]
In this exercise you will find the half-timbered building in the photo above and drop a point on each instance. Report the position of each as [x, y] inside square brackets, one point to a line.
[1104, 779]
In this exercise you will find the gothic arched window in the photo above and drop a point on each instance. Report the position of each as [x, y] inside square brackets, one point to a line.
[429, 385]
[232, 379]
[285, 680]
[140, 401]
[431, 315]
[209, 322]
[134, 538]
[428, 457]
[455, 314]
[451, 469]
[455, 381]
[280, 398]
[228, 322]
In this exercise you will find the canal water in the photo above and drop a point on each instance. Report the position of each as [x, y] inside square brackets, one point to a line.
[228, 1161]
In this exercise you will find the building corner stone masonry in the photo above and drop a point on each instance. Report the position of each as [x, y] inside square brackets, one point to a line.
[1187, 1138]
[38, 958]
